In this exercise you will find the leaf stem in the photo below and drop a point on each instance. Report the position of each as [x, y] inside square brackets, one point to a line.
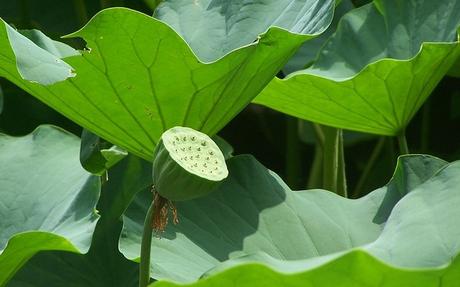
[293, 164]
[144, 268]
[403, 148]
[341, 174]
[370, 164]
[334, 177]
[319, 134]
[330, 158]
[316, 171]
[80, 10]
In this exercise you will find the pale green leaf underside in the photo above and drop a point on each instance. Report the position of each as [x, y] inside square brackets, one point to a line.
[254, 212]
[39, 60]
[215, 28]
[418, 246]
[376, 71]
[47, 198]
[309, 51]
[141, 78]
[103, 265]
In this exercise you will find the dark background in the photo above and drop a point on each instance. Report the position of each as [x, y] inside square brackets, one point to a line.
[268, 135]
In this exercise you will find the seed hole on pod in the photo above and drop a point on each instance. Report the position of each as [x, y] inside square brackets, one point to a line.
[211, 153]
[203, 143]
[193, 138]
[184, 139]
[198, 149]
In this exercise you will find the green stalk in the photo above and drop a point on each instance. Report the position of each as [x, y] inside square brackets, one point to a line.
[319, 134]
[144, 268]
[316, 170]
[370, 164]
[403, 148]
[334, 178]
[293, 164]
[330, 158]
[341, 175]
[80, 10]
[315, 179]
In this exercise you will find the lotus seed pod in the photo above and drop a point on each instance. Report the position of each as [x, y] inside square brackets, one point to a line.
[187, 164]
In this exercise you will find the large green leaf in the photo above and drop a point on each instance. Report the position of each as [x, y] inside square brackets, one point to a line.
[140, 78]
[308, 52]
[377, 69]
[103, 265]
[47, 199]
[255, 212]
[418, 246]
[215, 28]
